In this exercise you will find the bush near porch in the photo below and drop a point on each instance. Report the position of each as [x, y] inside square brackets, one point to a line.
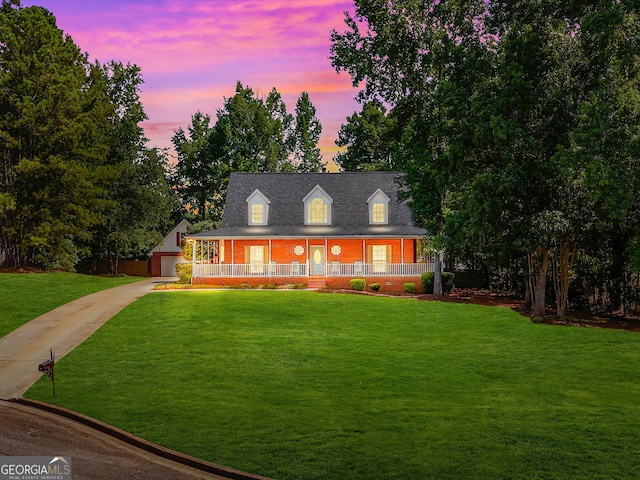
[387, 284]
[448, 280]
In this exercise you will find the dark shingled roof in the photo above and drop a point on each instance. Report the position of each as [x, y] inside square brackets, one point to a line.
[286, 191]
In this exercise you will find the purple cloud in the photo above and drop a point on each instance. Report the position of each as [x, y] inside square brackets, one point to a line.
[192, 53]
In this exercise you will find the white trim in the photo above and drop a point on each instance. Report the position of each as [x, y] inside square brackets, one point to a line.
[317, 193]
[289, 237]
[258, 198]
[378, 198]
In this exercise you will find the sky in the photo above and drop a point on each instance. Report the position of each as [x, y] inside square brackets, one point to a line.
[193, 52]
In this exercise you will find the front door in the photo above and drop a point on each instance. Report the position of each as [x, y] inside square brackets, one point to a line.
[317, 260]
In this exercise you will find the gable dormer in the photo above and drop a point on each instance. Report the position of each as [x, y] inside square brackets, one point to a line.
[378, 208]
[317, 207]
[257, 208]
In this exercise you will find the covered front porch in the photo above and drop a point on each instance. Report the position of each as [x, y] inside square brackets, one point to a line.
[310, 261]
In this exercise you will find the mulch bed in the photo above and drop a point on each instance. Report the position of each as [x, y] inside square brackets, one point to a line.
[575, 318]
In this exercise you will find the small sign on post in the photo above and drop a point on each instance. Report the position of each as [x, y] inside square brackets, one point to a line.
[47, 367]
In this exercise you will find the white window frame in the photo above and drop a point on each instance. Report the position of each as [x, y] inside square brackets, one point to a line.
[257, 198]
[317, 199]
[378, 200]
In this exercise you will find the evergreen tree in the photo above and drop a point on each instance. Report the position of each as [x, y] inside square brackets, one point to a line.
[306, 154]
[53, 112]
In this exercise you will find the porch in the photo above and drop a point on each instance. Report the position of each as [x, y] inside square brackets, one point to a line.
[293, 270]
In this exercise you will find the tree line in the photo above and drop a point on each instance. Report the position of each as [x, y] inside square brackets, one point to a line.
[516, 124]
[78, 183]
[251, 134]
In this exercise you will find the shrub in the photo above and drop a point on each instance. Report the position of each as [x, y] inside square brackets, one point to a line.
[427, 282]
[183, 269]
[410, 287]
[448, 279]
[185, 279]
[374, 287]
[357, 283]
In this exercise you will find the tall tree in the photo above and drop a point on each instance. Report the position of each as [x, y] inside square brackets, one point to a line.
[606, 142]
[126, 136]
[553, 61]
[416, 57]
[306, 134]
[143, 203]
[139, 198]
[198, 174]
[53, 112]
[368, 138]
[500, 105]
[251, 133]
[278, 133]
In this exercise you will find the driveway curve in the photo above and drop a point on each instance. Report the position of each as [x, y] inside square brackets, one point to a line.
[95, 454]
[61, 330]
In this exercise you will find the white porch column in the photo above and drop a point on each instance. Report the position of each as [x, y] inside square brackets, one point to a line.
[306, 254]
[193, 257]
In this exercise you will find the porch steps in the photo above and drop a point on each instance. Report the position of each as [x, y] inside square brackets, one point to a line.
[317, 283]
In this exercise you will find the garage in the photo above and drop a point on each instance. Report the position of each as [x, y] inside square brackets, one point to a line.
[169, 262]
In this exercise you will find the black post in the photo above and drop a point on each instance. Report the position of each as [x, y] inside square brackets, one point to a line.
[53, 379]
[47, 367]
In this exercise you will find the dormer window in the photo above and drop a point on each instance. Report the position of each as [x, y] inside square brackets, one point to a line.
[258, 208]
[257, 214]
[317, 207]
[378, 208]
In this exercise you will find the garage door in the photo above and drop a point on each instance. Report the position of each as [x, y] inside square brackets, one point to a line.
[168, 268]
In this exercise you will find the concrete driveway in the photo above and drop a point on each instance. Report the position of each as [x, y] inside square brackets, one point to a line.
[96, 455]
[62, 330]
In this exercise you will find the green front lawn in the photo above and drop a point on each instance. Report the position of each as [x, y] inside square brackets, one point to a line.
[25, 296]
[301, 385]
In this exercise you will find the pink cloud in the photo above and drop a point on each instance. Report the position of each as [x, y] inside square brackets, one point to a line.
[191, 53]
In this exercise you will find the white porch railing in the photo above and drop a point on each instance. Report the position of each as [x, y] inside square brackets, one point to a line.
[302, 270]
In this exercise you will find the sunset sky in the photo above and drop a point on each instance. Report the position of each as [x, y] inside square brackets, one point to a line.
[192, 53]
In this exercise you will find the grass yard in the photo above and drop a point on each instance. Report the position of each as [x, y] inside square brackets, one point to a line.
[301, 385]
[26, 296]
